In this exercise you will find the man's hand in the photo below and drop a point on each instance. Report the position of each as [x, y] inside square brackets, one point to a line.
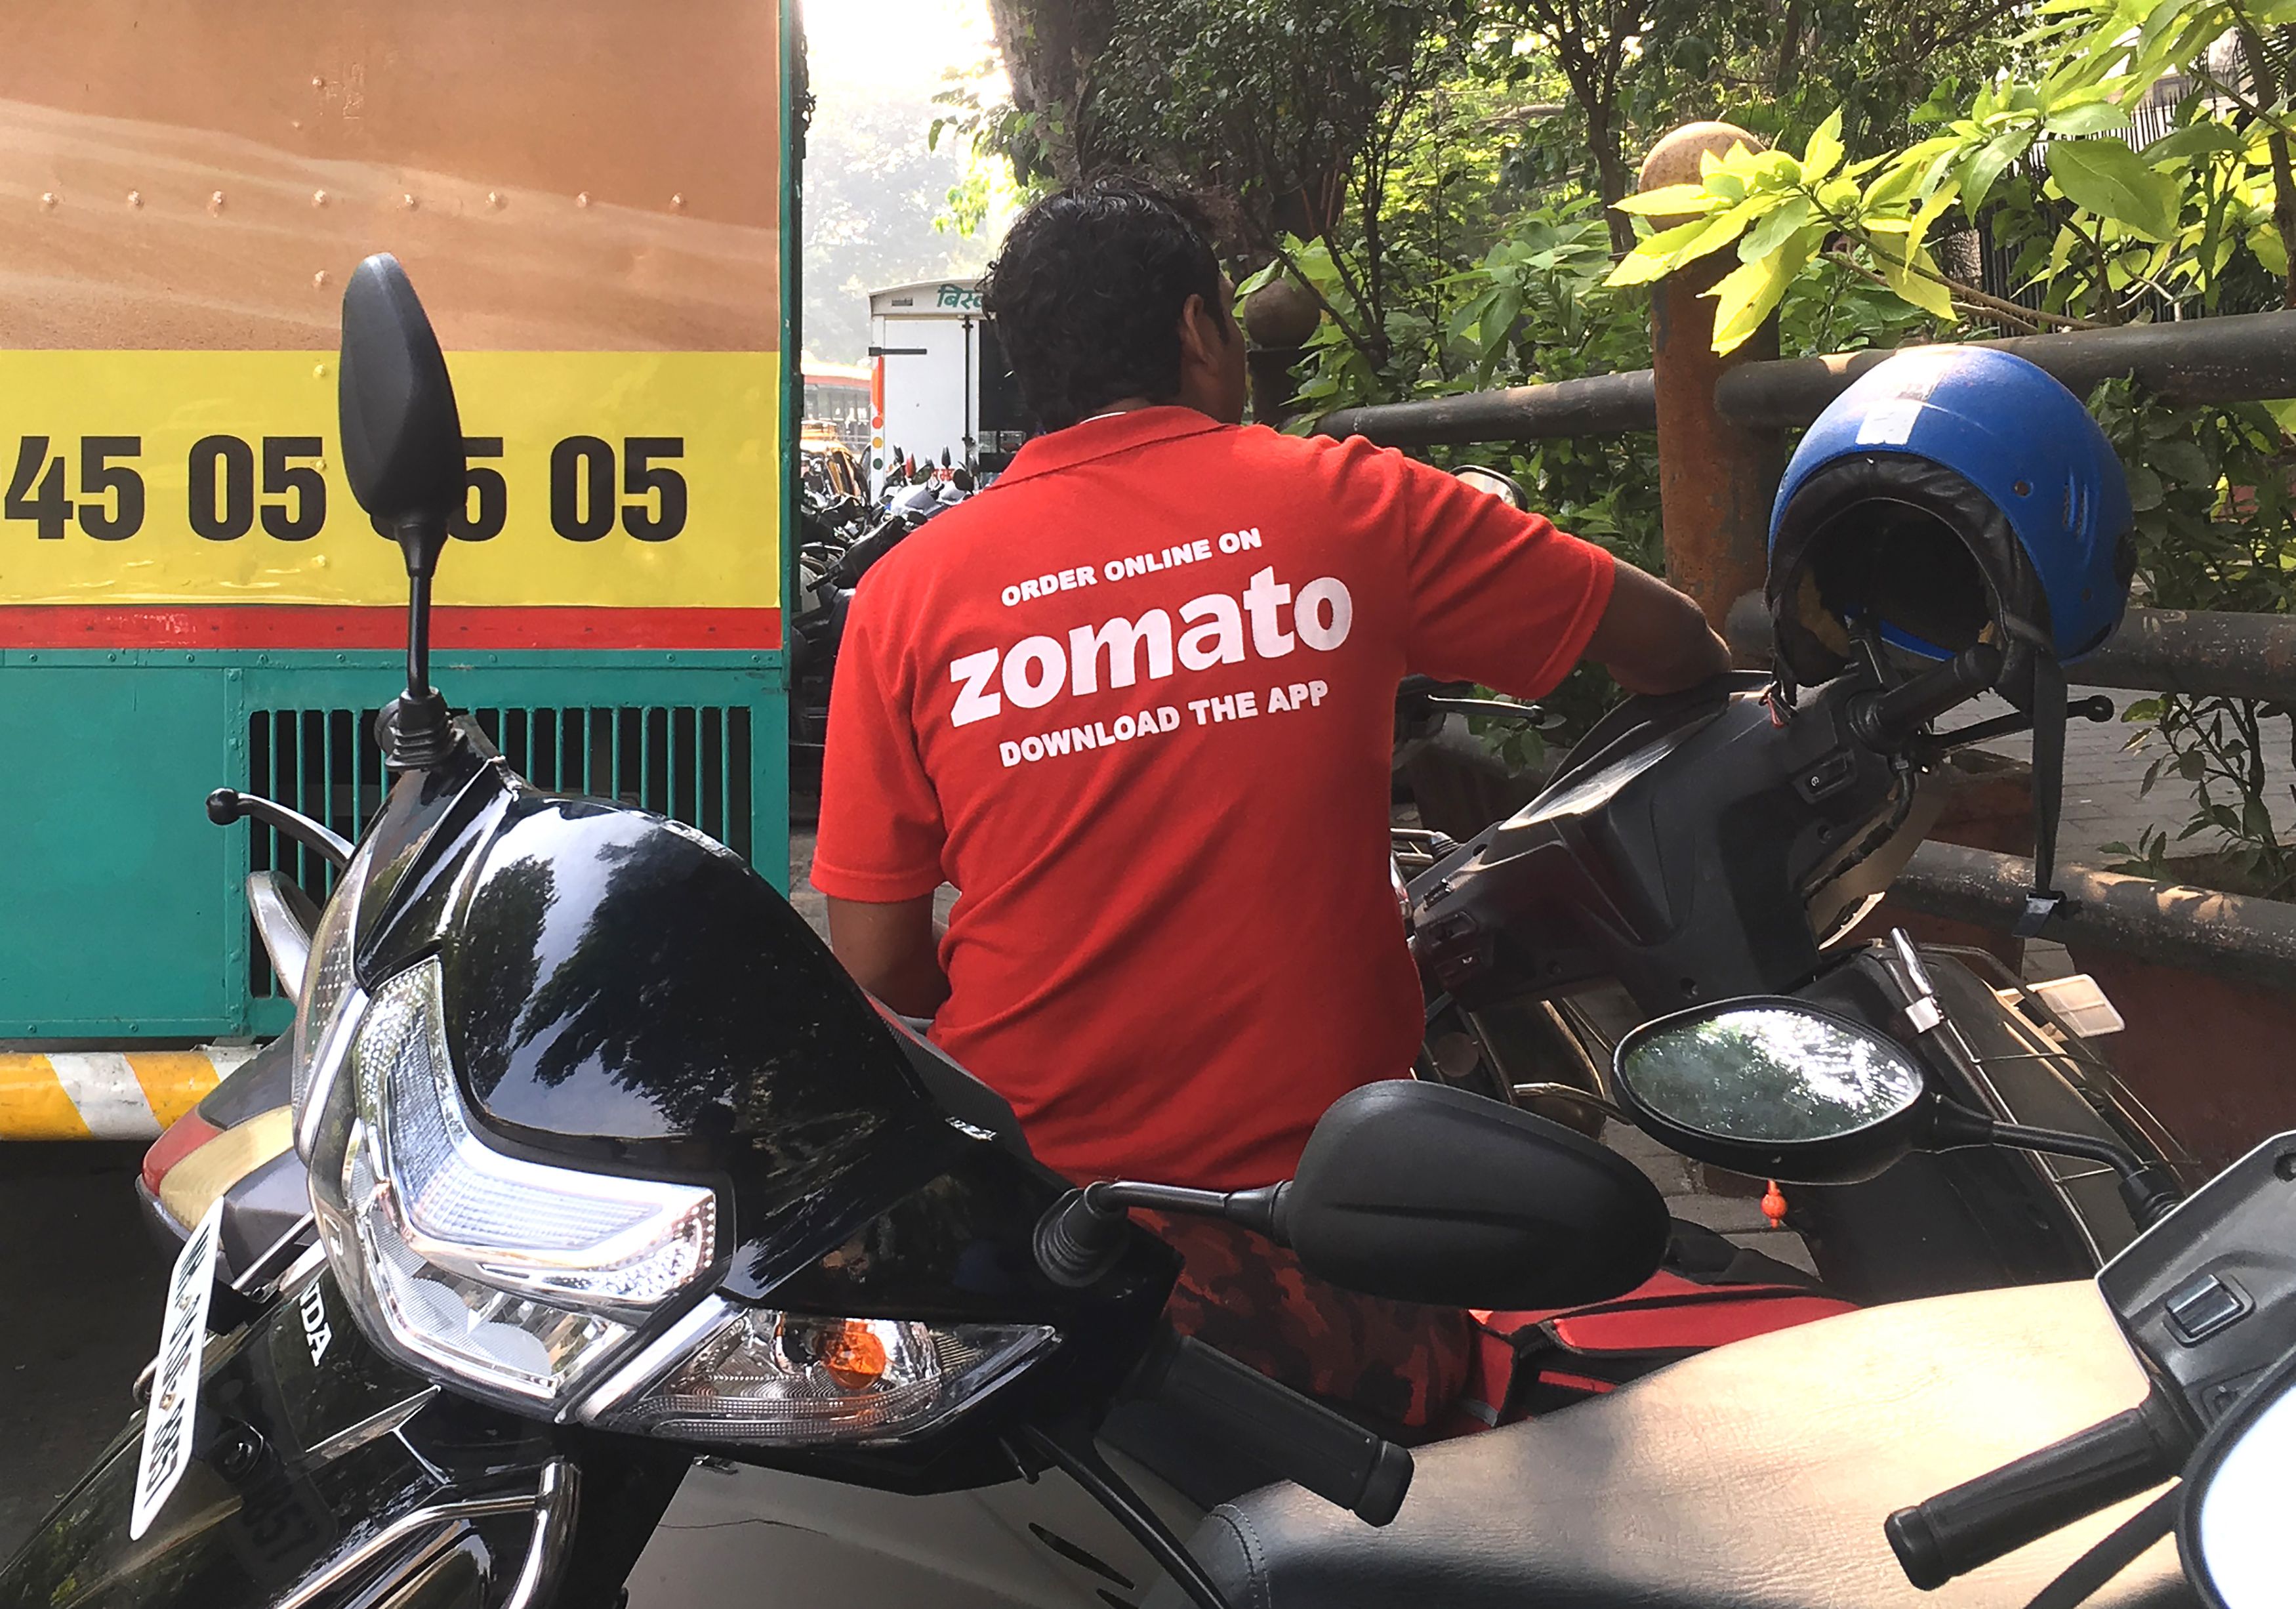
[892, 951]
[1653, 639]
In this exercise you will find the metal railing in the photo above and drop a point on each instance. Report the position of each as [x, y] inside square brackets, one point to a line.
[1721, 422]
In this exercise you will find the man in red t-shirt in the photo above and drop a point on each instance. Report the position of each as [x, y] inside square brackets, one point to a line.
[1136, 702]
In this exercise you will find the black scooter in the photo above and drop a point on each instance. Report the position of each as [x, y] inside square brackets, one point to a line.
[1999, 1442]
[1725, 841]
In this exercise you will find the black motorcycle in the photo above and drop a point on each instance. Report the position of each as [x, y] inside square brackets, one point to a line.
[610, 1168]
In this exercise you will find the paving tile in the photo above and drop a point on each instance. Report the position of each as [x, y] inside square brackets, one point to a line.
[1781, 1244]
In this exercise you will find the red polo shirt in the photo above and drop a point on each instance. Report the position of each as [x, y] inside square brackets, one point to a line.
[1137, 702]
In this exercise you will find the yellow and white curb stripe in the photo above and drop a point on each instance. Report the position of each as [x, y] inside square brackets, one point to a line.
[107, 1094]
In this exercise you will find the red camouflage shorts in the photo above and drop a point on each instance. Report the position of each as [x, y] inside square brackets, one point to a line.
[1396, 1361]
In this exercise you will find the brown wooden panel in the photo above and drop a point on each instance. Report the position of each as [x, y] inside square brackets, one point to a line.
[582, 174]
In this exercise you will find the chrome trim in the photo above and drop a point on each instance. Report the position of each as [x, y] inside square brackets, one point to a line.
[659, 1355]
[551, 1502]
[329, 1059]
[286, 940]
[372, 1427]
[556, 1500]
[257, 1278]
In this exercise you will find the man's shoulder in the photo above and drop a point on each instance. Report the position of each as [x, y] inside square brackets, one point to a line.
[1278, 450]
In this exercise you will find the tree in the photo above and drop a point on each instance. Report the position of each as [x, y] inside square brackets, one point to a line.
[1588, 41]
[1051, 50]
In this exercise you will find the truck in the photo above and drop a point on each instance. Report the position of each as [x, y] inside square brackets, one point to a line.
[940, 390]
[597, 202]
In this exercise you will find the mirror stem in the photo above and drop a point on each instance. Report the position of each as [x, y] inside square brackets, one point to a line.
[2148, 1192]
[418, 636]
[1082, 1235]
[416, 732]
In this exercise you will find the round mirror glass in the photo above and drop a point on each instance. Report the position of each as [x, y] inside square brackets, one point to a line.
[1769, 1074]
[1502, 486]
[2241, 1517]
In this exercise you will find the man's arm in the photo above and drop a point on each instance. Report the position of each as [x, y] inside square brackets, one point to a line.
[892, 951]
[1653, 639]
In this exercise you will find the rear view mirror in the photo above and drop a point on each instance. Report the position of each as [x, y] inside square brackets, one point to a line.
[1506, 488]
[1775, 1089]
[402, 435]
[1420, 1193]
[403, 452]
[2233, 1526]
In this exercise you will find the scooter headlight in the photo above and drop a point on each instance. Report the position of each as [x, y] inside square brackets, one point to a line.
[517, 1278]
[727, 1373]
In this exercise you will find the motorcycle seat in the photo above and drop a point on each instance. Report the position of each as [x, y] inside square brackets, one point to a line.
[1755, 1476]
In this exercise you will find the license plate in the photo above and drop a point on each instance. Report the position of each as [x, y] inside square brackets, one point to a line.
[175, 1375]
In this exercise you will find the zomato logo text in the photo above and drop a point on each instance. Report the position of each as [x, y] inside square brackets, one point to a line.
[1212, 630]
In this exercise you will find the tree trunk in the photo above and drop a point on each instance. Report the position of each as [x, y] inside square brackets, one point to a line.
[2264, 84]
[1788, 49]
[1611, 175]
[1049, 47]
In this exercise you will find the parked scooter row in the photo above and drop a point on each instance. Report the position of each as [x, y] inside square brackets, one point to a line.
[838, 544]
[617, 1191]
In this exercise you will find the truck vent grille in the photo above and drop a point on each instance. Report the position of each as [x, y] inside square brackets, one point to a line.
[689, 762]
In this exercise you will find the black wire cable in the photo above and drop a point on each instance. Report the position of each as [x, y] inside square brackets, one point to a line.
[2087, 1575]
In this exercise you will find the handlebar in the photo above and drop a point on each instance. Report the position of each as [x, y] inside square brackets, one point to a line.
[1886, 720]
[1306, 1442]
[227, 805]
[1998, 1513]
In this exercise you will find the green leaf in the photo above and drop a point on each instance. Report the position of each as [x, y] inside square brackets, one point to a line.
[1257, 280]
[2145, 489]
[1671, 201]
[1766, 235]
[1749, 294]
[2202, 139]
[2088, 116]
[1923, 293]
[1979, 173]
[1824, 151]
[2105, 178]
[2183, 462]
[2270, 249]
[1653, 258]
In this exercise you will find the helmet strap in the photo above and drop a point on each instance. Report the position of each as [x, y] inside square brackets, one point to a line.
[2043, 900]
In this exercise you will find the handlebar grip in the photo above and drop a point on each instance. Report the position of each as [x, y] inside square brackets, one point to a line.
[1309, 1444]
[2000, 1512]
[1895, 716]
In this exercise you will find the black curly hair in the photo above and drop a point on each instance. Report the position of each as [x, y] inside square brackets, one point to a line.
[1087, 293]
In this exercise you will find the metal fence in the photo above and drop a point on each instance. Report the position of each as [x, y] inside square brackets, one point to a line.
[1721, 425]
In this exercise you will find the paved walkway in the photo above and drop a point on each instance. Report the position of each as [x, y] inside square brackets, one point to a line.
[2105, 800]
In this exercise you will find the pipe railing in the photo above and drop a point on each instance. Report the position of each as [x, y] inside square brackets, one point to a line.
[1720, 423]
[2242, 357]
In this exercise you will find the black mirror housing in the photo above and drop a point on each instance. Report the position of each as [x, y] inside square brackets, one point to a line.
[402, 433]
[1848, 1148]
[1420, 1192]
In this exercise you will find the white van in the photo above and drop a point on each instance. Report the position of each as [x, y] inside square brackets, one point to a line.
[940, 381]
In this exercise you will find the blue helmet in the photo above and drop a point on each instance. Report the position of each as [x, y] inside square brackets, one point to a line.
[1952, 494]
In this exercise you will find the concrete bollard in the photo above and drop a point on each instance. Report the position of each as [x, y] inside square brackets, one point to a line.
[1717, 478]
